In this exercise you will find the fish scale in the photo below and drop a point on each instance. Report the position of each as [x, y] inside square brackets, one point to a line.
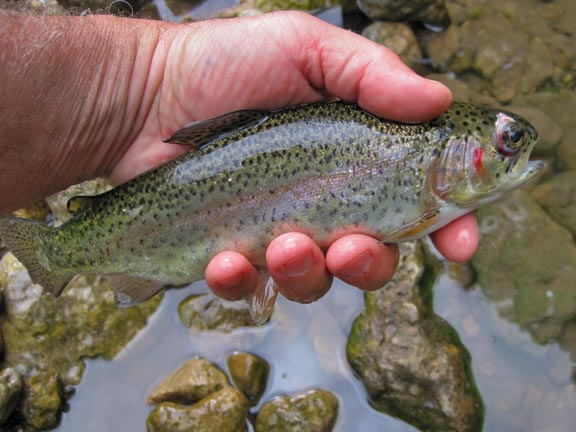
[323, 169]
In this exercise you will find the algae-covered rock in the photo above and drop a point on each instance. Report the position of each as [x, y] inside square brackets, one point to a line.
[10, 390]
[42, 400]
[558, 197]
[412, 362]
[432, 12]
[513, 51]
[208, 312]
[249, 374]
[526, 263]
[560, 105]
[194, 380]
[222, 411]
[48, 338]
[312, 411]
[399, 38]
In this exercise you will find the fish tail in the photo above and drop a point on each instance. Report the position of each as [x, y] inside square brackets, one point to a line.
[26, 240]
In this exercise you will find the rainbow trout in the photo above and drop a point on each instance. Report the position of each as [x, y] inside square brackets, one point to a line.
[323, 169]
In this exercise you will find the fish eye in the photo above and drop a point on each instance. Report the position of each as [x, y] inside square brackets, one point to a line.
[509, 135]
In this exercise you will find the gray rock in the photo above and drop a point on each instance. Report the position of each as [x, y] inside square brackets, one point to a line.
[222, 411]
[311, 411]
[194, 380]
[411, 361]
[249, 374]
[10, 391]
[526, 263]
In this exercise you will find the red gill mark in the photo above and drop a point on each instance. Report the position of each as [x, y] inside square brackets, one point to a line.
[478, 154]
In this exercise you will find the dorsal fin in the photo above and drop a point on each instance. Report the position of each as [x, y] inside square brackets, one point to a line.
[198, 134]
[79, 202]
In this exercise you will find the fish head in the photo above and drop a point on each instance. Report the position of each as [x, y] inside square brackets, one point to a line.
[486, 154]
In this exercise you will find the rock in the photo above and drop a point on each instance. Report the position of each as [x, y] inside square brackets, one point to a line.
[411, 361]
[10, 391]
[124, 7]
[48, 338]
[42, 400]
[208, 312]
[560, 105]
[249, 374]
[431, 12]
[399, 38]
[526, 263]
[558, 197]
[194, 380]
[312, 411]
[222, 411]
[514, 52]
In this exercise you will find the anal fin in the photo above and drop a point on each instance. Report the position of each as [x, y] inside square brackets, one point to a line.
[130, 290]
[414, 229]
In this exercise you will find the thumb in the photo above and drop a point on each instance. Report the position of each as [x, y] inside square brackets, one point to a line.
[356, 69]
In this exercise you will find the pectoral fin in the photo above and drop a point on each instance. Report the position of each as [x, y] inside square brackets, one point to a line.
[129, 290]
[201, 133]
[414, 229]
[261, 302]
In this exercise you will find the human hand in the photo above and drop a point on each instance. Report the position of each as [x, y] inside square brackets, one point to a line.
[272, 61]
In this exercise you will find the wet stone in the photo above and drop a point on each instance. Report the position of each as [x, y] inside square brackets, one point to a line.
[526, 264]
[249, 374]
[312, 411]
[194, 380]
[221, 411]
[431, 12]
[208, 312]
[10, 391]
[42, 400]
[558, 197]
[399, 38]
[412, 362]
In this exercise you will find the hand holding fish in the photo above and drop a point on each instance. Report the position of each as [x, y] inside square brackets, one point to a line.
[144, 80]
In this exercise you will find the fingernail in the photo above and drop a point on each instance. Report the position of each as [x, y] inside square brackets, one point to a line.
[298, 265]
[357, 266]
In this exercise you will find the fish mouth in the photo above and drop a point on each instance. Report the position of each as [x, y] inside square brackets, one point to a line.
[532, 170]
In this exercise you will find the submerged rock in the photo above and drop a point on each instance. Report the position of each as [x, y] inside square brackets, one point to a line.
[194, 380]
[513, 51]
[221, 411]
[526, 263]
[399, 38]
[558, 197]
[10, 391]
[432, 12]
[312, 411]
[412, 362]
[249, 374]
[208, 312]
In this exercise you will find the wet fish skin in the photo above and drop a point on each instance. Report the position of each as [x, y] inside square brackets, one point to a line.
[323, 169]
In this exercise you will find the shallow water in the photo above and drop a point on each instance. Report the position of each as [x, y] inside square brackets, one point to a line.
[525, 386]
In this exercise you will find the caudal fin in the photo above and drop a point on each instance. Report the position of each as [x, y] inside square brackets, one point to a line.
[25, 238]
